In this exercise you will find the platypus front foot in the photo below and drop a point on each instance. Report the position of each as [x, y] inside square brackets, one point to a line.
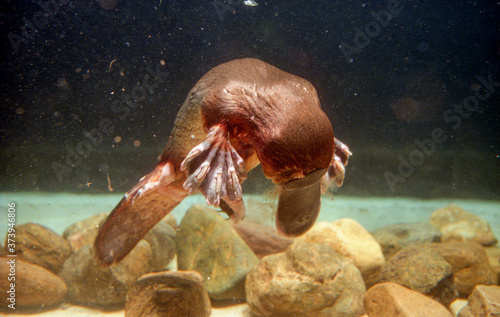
[214, 168]
[336, 171]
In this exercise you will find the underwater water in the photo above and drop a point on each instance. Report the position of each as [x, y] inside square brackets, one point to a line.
[90, 91]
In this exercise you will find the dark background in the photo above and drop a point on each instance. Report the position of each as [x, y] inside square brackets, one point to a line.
[63, 80]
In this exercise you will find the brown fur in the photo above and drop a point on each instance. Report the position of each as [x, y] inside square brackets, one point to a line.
[268, 112]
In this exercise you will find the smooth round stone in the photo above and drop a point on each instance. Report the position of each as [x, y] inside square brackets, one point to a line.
[168, 294]
[349, 239]
[41, 246]
[34, 287]
[208, 244]
[458, 225]
[421, 268]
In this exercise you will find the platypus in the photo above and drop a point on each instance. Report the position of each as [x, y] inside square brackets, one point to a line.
[238, 115]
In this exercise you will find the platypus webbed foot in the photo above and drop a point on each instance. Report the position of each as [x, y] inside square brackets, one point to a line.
[214, 168]
[336, 171]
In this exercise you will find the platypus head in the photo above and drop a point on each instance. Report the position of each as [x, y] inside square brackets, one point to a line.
[295, 158]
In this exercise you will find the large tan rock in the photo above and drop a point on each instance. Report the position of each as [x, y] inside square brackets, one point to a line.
[483, 302]
[208, 244]
[421, 268]
[349, 239]
[458, 225]
[33, 286]
[470, 265]
[393, 300]
[309, 279]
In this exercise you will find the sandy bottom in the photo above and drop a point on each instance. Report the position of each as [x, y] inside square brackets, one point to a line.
[240, 310]
[58, 211]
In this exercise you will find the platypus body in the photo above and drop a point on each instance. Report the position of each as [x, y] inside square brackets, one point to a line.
[241, 113]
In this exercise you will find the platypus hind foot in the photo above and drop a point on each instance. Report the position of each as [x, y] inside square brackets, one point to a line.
[214, 168]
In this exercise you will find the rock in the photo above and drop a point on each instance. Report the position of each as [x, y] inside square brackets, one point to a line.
[207, 243]
[469, 263]
[41, 246]
[261, 211]
[348, 238]
[391, 300]
[263, 240]
[389, 243]
[483, 302]
[457, 305]
[309, 279]
[170, 220]
[393, 238]
[168, 294]
[162, 241]
[458, 225]
[34, 286]
[422, 269]
[493, 255]
[83, 232]
[161, 238]
[494, 258]
[91, 285]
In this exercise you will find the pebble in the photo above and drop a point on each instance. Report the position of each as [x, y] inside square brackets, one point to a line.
[83, 232]
[457, 305]
[208, 244]
[162, 241]
[168, 294]
[349, 239]
[483, 302]
[90, 285]
[421, 269]
[41, 246]
[393, 238]
[262, 239]
[35, 286]
[458, 225]
[307, 280]
[393, 300]
[469, 263]
[494, 259]
[161, 238]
